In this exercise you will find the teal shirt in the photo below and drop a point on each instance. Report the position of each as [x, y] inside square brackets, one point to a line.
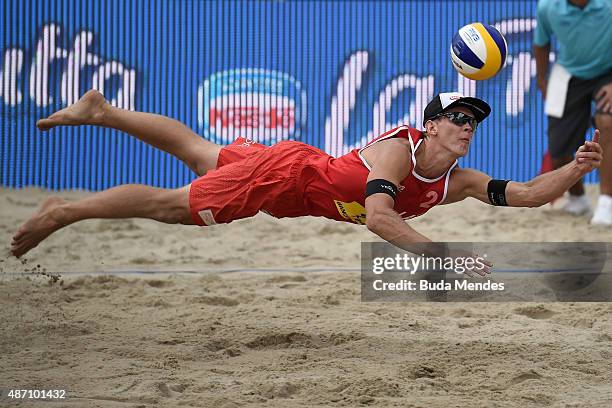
[584, 35]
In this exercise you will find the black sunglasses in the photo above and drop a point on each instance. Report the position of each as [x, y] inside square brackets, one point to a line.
[459, 119]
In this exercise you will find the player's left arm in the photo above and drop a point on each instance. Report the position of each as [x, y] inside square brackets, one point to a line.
[543, 189]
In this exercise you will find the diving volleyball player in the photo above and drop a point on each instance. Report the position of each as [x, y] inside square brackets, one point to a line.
[397, 176]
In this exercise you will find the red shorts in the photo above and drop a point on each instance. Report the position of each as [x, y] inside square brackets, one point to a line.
[249, 178]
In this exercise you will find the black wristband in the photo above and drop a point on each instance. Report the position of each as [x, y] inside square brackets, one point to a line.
[496, 191]
[381, 186]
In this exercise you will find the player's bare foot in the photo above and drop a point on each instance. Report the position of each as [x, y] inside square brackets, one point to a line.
[89, 110]
[38, 227]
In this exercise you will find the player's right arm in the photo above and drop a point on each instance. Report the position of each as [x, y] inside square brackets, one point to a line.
[388, 163]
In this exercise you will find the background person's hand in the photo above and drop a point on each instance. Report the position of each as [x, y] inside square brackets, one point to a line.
[542, 84]
[604, 99]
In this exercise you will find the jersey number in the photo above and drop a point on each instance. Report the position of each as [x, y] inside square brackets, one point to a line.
[432, 197]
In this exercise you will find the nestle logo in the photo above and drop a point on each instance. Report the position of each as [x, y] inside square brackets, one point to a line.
[262, 105]
[252, 117]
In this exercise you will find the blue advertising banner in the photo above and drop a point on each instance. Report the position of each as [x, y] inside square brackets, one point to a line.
[331, 74]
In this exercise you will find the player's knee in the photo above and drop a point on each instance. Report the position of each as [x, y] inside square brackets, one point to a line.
[201, 167]
[172, 206]
[207, 159]
[203, 157]
[192, 159]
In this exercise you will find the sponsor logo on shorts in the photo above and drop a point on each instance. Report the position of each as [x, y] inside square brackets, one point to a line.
[353, 211]
[247, 143]
[207, 217]
[263, 105]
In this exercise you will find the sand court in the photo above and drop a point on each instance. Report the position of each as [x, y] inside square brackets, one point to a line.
[136, 313]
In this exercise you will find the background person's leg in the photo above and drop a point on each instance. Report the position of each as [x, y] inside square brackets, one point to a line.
[567, 134]
[159, 131]
[604, 124]
[577, 202]
[603, 211]
[127, 201]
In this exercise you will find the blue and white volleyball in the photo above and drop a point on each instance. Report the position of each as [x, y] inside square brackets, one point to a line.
[478, 51]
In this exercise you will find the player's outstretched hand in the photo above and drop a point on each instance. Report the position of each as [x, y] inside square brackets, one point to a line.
[473, 264]
[590, 154]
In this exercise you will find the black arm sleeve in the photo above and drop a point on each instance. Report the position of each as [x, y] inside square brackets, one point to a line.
[496, 191]
[381, 186]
